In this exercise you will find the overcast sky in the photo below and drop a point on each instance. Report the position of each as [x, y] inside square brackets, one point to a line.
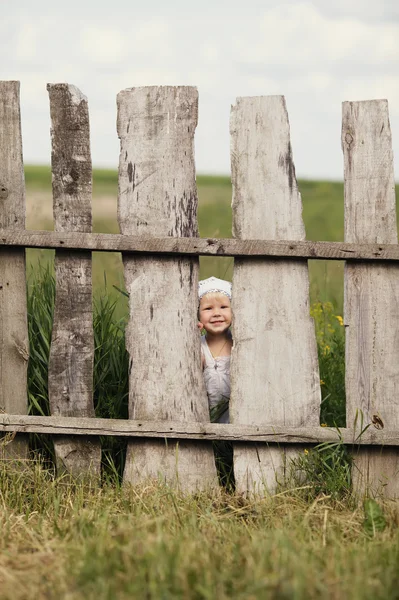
[317, 54]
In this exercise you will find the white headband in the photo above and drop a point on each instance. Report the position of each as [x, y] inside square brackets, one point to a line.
[213, 284]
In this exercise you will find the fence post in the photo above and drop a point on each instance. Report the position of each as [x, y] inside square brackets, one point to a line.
[72, 343]
[158, 196]
[274, 370]
[371, 292]
[14, 345]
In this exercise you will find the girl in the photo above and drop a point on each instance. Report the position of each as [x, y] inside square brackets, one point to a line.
[215, 317]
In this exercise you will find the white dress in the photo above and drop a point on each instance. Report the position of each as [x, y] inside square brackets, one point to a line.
[217, 379]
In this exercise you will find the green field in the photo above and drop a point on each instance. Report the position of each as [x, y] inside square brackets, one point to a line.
[322, 213]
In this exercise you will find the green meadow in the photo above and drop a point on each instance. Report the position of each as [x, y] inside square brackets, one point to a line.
[323, 214]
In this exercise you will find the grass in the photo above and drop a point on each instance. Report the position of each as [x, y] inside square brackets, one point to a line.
[65, 540]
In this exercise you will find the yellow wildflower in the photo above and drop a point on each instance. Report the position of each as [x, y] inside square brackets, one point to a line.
[306, 451]
[340, 320]
[326, 349]
[324, 424]
[322, 382]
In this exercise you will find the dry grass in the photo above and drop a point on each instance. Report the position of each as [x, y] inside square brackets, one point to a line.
[61, 539]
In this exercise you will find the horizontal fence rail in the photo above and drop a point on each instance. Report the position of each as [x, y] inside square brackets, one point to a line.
[134, 244]
[196, 431]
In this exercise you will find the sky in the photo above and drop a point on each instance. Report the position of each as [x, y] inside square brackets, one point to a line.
[317, 54]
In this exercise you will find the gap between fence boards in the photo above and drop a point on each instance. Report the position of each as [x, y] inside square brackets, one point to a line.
[108, 242]
[195, 431]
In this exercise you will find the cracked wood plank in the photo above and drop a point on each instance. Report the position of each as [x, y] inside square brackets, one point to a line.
[158, 197]
[274, 358]
[82, 426]
[14, 344]
[371, 308]
[72, 343]
[131, 244]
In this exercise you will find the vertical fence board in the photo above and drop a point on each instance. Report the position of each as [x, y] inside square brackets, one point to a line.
[158, 196]
[14, 346]
[72, 344]
[274, 358]
[371, 291]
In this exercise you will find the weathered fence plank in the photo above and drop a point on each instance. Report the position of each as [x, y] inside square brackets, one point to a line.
[196, 431]
[158, 197]
[371, 309]
[72, 345]
[14, 346]
[132, 244]
[274, 357]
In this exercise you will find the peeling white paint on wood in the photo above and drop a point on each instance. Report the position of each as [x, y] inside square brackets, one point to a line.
[371, 291]
[72, 344]
[158, 197]
[14, 345]
[274, 358]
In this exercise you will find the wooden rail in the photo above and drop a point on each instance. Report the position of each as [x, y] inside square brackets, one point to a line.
[195, 431]
[193, 246]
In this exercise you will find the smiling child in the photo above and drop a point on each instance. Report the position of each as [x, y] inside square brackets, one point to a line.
[215, 317]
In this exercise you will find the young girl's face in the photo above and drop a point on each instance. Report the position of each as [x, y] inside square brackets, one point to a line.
[215, 313]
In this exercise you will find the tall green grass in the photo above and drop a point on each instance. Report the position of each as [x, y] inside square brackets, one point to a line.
[110, 377]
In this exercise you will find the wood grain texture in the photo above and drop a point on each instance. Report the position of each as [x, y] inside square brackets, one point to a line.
[72, 344]
[82, 426]
[158, 197]
[371, 308]
[14, 345]
[144, 245]
[274, 358]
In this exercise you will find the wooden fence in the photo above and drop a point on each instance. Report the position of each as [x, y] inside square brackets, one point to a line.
[275, 398]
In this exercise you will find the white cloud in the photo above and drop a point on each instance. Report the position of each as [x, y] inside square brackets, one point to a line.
[116, 45]
[147, 33]
[299, 35]
[318, 80]
[27, 42]
[102, 44]
[210, 51]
